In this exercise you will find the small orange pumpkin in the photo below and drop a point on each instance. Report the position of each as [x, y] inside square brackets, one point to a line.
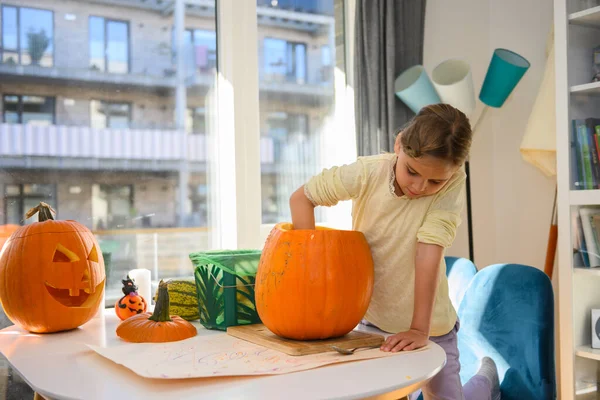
[313, 284]
[51, 274]
[156, 327]
[131, 303]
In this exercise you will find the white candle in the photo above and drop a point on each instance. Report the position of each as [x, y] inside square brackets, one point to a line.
[141, 278]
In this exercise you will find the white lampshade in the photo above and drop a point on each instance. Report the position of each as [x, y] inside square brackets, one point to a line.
[454, 83]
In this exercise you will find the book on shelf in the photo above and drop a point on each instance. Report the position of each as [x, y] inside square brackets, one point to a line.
[585, 153]
[586, 236]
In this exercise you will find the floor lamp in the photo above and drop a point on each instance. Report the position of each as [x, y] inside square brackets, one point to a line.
[452, 83]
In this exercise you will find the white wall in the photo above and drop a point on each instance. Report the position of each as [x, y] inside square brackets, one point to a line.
[511, 200]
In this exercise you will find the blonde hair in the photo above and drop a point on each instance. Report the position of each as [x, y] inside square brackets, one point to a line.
[438, 130]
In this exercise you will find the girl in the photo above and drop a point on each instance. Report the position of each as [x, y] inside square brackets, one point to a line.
[408, 205]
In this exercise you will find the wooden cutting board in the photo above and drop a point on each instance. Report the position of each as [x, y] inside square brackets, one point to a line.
[259, 334]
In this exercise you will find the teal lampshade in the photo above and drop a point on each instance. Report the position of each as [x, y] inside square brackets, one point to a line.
[504, 73]
[415, 89]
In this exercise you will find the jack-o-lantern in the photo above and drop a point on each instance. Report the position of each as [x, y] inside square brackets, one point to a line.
[51, 274]
[131, 303]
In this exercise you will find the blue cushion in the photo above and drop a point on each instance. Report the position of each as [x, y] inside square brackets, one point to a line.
[460, 272]
[507, 313]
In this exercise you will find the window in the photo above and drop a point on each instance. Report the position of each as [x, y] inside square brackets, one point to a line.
[109, 45]
[19, 198]
[297, 120]
[200, 48]
[27, 36]
[106, 114]
[36, 110]
[175, 140]
[285, 61]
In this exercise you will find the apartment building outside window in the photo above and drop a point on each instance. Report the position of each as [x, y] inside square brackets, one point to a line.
[37, 110]
[139, 144]
[109, 45]
[27, 36]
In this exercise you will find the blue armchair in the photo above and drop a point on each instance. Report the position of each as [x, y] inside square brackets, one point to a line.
[506, 312]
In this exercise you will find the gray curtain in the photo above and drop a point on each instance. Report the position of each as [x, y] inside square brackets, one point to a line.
[389, 39]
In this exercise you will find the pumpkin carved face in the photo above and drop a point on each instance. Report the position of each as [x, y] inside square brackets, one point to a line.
[51, 276]
[67, 279]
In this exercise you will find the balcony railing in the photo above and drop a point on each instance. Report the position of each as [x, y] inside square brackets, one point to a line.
[123, 144]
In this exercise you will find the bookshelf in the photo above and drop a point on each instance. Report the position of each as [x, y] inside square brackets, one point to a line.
[576, 35]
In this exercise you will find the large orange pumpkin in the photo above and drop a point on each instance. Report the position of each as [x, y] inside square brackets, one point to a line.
[313, 284]
[51, 274]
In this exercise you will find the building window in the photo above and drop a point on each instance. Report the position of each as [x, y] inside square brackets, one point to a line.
[111, 205]
[27, 36]
[109, 45]
[284, 61]
[195, 122]
[19, 198]
[105, 114]
[36, 110]
[200, 48]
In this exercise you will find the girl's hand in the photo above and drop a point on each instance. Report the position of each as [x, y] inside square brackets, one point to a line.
[409, 340]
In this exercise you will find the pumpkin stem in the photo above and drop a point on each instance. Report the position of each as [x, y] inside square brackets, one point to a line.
[161, 309]
[44, 212]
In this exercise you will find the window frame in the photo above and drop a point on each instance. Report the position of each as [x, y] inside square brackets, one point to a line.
[106, 21]
[19, 47]
[20, 108]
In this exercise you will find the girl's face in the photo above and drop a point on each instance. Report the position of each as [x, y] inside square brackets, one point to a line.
[420, 177]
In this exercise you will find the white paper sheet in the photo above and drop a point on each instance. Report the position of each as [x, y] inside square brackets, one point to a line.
[219, 355]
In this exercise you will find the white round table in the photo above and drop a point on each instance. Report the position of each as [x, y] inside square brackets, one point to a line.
[61, 366]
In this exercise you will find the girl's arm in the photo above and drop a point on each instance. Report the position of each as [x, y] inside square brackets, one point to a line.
[303, 210]
[326, 189]
[427, 267]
